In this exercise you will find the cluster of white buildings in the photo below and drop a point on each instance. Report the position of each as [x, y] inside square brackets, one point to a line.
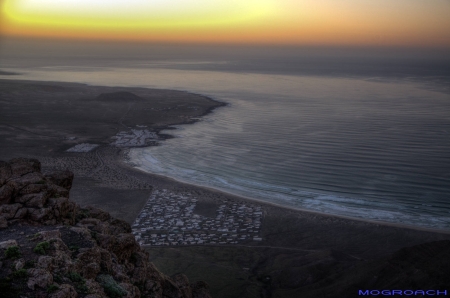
[84, 147]
[134, 138]
[170, 219]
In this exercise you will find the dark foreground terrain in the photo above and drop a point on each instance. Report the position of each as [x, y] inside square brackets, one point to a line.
[50, 247]
[306, 257]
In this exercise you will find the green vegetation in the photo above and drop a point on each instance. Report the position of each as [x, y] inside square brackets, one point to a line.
[41, 248]
[34, 237]
[81, 288]
[75, 277]
[29, 264]
[112, 289]
[21, 273]
[79, 282]
[57, 278]
[74, 247]
[82, 214]
[52, 288]
[12, 252]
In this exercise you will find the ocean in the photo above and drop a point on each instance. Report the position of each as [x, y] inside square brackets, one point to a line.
[364, 139]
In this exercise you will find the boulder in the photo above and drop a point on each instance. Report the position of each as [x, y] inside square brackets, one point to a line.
[84, 233]
[105, 260]
[3, 222]
[22, 166]
[125, 246]
[36, 200]
[200, 289]
[119, 226]
[170, 289]
[61, 207]
[9, 211]
[88, 262]
[57, 191]
[88, 222]
[6, 192]
[21, 213]
[182, 282]
[39, 214]
[39, 277]
[19, 264]
[132, 291]
[58, 245]
[95, 289]
[98, 213]
[91, 270]
[32, 188]
[45, 262]
[62, 260]
[22, 181]
[63, 179]
[5, 172]
[47, 235]
[8, 243]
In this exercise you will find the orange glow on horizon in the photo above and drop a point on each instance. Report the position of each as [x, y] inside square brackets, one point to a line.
[350, 22]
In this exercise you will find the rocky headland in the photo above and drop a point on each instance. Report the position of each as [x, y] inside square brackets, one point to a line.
[51, 247]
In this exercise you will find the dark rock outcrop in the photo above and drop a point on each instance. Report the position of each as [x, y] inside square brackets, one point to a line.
[26, 195]
[50, 247]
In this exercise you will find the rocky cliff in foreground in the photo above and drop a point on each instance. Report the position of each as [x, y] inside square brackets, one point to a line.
[50, 247]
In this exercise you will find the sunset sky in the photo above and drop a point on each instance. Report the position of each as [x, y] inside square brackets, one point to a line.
[423, 23]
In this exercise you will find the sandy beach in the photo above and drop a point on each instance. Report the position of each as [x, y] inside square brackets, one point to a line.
[89, 129]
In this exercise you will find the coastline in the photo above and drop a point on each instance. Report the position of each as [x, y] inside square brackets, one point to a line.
[301, 251]
[104, 178]
[290, 228]
[261, 202]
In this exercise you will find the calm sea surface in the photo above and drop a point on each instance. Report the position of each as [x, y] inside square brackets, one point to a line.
[366, 146]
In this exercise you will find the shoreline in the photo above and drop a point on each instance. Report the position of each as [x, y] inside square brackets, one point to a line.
[105, 179]
[242, 197]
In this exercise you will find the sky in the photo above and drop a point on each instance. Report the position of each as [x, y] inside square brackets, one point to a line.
[381, 23]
